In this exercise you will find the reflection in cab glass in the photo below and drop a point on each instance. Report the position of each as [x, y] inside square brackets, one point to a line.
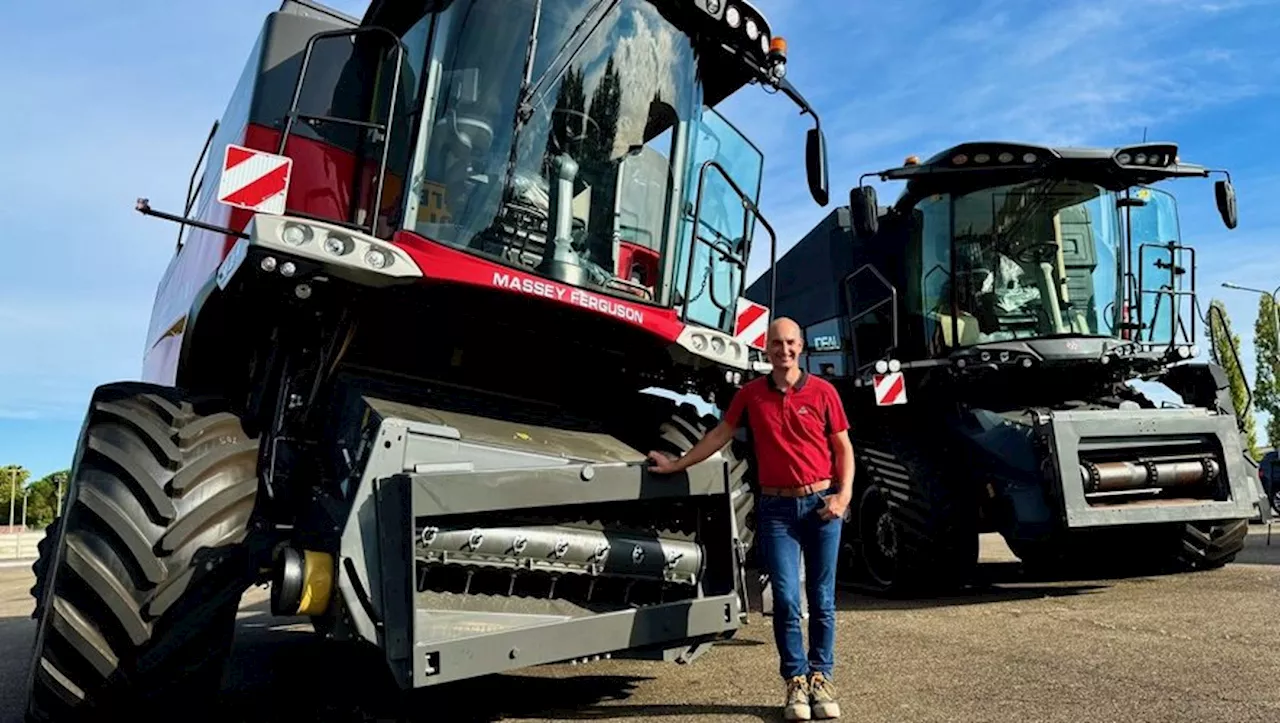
[1031, 260]
[587, 162]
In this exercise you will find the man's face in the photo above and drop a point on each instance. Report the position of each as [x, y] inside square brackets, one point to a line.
[785, 346]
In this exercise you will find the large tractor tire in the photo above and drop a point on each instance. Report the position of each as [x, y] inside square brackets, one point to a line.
[683, 430]
[138, 582]
[912, 531]
[1210, 545]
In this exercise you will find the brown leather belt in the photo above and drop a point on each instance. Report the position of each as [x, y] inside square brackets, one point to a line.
[803, 491]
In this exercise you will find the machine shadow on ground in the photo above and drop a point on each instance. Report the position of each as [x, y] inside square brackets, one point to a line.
[272, 655]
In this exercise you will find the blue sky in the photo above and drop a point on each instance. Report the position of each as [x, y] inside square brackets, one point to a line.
[107, 102]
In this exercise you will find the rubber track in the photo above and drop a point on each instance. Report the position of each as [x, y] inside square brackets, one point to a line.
[147, 551]
[937, 545]
[1208, 546]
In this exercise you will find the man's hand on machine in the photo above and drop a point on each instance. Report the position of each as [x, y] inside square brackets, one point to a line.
[660, 463]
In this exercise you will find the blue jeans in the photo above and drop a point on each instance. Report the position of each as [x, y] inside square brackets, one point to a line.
[786, 529]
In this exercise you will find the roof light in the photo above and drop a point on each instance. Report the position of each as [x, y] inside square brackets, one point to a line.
[1006, 157]
[912, 161]
[713, 6]
[1124, 158]
[753, 30]
[733, 16]
[981, 158]
[1028, 158]
[778, 45]
[959, 159]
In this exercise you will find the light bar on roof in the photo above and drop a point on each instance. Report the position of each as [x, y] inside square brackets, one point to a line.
[1147, 155]
[743, 20]
[994, 155]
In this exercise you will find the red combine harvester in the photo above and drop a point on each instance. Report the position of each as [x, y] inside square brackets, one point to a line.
[401, 364]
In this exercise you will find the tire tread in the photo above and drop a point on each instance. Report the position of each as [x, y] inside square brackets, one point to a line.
[160, 481]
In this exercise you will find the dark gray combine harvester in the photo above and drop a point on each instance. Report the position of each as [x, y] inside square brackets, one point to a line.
[432, 266]
[982, 331]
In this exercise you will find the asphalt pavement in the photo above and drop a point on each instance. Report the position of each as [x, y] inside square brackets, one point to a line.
[1194, 647]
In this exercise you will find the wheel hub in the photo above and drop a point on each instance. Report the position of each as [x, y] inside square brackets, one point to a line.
[885, 537]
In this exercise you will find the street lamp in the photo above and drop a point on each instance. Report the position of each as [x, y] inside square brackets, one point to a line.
[1275, 307]
[13, 493]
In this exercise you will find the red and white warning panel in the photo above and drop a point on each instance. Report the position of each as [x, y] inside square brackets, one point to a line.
[254, 180]
[890, 389]
[752, 326]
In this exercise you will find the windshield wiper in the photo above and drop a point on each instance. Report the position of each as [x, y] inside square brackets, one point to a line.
[529, 88]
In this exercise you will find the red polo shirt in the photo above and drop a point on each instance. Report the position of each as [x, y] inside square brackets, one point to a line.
[790, 430]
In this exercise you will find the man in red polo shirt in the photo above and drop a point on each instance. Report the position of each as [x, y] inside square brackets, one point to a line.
[805, 467]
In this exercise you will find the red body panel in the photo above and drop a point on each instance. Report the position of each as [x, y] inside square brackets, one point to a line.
[439, 262]
[631, 256]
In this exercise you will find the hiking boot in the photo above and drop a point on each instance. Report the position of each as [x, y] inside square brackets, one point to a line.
[797, 705]
[822, 693]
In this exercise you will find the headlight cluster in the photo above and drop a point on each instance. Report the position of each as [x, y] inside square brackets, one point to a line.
[1143, 159]
[716, 346]
[336, 244]
[1149, 156]
[342, 252]
[884, 367]
[999, 357]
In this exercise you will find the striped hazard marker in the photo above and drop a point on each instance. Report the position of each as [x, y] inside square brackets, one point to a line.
[254, 180]
[890, 389]
[752, 325]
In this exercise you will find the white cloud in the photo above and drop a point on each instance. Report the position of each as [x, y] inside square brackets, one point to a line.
[889, 84]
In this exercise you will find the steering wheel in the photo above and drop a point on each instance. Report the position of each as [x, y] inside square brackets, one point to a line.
[1037, 253]
[569, 136]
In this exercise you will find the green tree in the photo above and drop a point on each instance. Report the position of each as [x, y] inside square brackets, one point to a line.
[1266, 394]
[42, 500]
[1226, 346]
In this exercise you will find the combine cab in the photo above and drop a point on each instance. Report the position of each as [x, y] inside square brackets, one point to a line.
[984, 331]
[432, 264]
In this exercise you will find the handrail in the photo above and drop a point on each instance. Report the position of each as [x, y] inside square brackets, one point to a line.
[892, 300]
[293, 116]
[740, 261]
[191, 184]
[1172, 247]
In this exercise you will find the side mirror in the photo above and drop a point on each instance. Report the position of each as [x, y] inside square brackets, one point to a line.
[815, 161]
[864, 211]
[1226, 194]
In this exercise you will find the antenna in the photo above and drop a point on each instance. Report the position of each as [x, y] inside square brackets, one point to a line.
[1144, 134]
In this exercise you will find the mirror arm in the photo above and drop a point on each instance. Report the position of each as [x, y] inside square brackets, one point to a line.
[786, 87]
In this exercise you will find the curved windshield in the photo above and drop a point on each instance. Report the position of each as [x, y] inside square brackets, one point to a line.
[580, 188]
[1034, 259]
